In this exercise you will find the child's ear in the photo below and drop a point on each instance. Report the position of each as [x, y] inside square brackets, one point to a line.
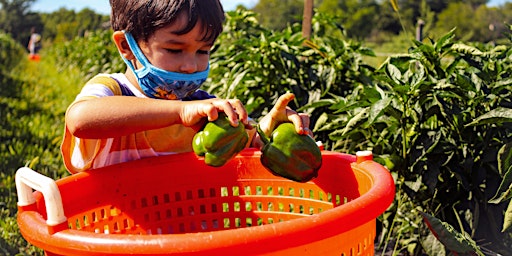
[122, 45]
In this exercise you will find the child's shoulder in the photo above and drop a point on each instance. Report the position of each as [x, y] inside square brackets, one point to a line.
[106, 80]
[118, 83]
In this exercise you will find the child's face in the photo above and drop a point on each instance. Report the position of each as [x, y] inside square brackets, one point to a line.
[177, 53]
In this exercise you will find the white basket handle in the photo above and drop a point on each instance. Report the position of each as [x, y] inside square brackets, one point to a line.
[28, 179]
[362, 156]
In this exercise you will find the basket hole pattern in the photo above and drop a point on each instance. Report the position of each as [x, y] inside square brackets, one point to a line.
[364, 247]
[207, 209]
[102, 220]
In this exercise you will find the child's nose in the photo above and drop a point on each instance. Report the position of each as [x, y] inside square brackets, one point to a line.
[189, 67]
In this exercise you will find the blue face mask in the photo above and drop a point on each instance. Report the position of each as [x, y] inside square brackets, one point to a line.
[163, 84]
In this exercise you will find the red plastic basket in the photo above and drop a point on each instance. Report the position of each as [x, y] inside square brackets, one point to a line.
[178, 205]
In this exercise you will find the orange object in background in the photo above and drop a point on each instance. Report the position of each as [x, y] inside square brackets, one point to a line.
[178, 205]
[34, 57]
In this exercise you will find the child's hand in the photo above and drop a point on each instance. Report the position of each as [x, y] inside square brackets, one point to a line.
[193, 112]
[281, 113]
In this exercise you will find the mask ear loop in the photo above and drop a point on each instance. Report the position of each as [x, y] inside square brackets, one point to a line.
[138, 55]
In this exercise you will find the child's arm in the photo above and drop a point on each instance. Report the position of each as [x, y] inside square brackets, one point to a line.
[120, 115]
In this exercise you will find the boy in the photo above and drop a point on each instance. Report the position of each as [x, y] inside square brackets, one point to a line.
[155, 107]
[34, 43]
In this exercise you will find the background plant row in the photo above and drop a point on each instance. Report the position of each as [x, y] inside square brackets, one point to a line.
[439, 117]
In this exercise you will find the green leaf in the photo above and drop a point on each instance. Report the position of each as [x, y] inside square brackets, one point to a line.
[430, 145]
[418, 75]
[498, 115]
[318, 104]
[414, 185]
[236, 81]
[505, 158]
[505, 190]
[507, 221]
[504, 82]
[444, 40]
[432, 246]
[466, 49]
[394, 3]
[354, 120]
[394, 73]
[377, 109]
[322, 120]
[456, 242]
[367, 52]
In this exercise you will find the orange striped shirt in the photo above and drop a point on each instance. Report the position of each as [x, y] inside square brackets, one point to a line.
[81, 154]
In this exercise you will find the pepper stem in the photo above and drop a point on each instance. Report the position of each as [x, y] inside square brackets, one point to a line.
[263, 137]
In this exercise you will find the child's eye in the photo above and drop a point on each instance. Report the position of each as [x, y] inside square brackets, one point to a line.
[204, 52]
[173, 50]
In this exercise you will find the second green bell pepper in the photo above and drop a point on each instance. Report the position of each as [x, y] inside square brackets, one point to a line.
[218, 142]
[289, 154]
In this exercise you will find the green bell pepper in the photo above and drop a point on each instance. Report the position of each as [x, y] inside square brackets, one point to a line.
[289, 154]
[218, 142]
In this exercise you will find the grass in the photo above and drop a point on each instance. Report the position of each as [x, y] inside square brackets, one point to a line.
[387, 47]
[33, 99]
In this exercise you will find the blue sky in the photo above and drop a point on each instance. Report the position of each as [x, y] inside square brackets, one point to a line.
[102, 6]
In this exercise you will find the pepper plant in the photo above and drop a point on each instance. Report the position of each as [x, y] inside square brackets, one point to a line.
[257, 65]
[435, 117]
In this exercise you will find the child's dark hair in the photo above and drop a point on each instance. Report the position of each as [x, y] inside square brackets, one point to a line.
[143, 18]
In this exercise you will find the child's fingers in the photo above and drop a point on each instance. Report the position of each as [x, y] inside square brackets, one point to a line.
[282, 104]
[305, 124]
[305, 119]
[281, 113]
[296, 119]
[234, 109]
[240, 110]
[300, 120]
[209, 110]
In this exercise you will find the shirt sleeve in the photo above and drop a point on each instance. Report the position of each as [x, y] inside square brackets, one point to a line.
[79, 154]
[99, 86]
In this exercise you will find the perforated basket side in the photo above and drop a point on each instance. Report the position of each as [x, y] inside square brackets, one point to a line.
[248, 203]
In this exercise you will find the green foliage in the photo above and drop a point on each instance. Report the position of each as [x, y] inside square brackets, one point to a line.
[504, 192]
[433, 117]
[256, 65]
[358, 17]
[64, 25]
[278, 14]
[475, 21]
[92, 54]
[33, 99]
[373, 20]
[456, 242]
[11, 53]
[17, 20]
